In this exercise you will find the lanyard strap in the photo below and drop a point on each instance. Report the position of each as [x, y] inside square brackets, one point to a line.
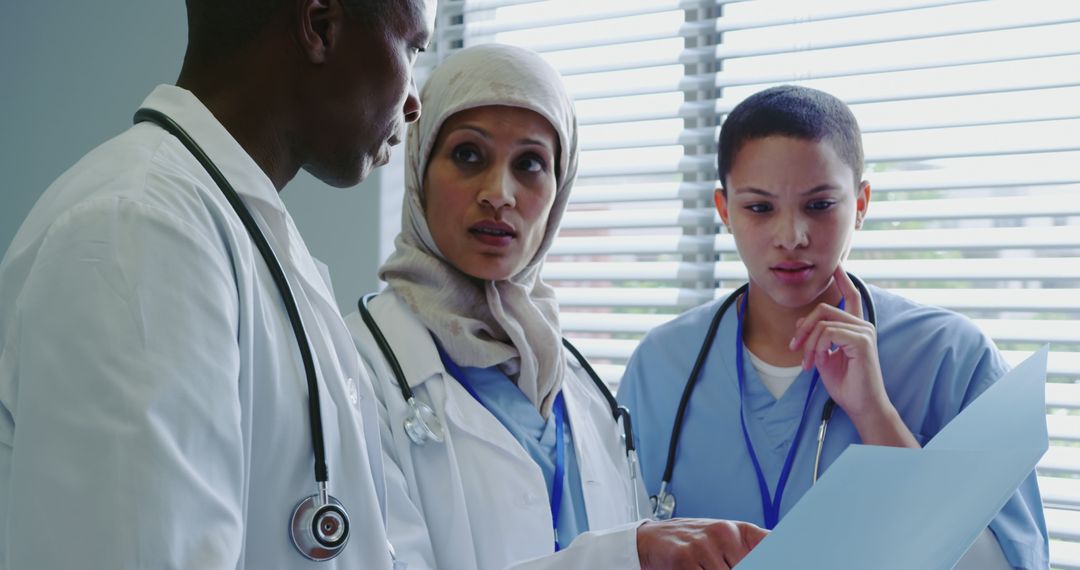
[770, 505]
[560, 467]
[555, 495]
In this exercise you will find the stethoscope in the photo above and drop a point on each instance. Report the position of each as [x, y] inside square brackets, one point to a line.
[319, 525]
[422, 425]
[663, 503]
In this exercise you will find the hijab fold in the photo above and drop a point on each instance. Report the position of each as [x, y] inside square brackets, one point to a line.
[511, 323]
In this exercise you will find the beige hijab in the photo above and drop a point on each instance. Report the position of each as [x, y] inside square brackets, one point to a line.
[512, 323]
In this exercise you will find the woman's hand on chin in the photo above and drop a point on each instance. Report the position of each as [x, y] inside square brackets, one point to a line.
[843, 347]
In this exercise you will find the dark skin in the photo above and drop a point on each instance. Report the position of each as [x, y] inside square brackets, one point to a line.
[696, 543]
[268, 93]
[242, 94]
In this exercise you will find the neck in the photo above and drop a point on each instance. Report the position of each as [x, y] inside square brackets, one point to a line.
[250, 104]
[768, 326]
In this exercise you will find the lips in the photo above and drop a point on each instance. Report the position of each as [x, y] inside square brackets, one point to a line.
[792, 271]
[492, 232]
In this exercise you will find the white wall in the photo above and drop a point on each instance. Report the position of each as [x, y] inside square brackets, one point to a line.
[71, 75]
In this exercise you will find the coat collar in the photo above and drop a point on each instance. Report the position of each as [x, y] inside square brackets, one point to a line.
[246, 177]
[402, 328]
[234, 162]
[400, 325]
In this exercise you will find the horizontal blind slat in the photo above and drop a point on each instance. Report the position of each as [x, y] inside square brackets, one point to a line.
[1011, 330]
[887, 211]
[1063, 524]
[1060, 493]
[813, 13]
[1057, 76]
[669, 298]
[1063, 428]
[967, 240]
[934, 27]
[1048, 269]
[1062, 395]
[662, 297]
[647, 191]
[1031, 269]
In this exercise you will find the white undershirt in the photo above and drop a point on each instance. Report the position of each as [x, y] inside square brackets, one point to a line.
[777, 379]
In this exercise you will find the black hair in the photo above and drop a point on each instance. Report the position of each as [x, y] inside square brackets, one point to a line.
[791, 111]
[218, 28]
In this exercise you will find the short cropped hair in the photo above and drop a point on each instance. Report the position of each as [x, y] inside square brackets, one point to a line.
[221, 27]
[796, 112]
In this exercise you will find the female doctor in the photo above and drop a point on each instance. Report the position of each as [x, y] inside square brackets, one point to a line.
[519, 454]
[802, 337]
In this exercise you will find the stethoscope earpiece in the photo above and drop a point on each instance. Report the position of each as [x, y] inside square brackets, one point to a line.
[320, 527]
[422, 424]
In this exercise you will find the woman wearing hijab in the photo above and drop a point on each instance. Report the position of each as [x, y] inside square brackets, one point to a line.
[524, 461]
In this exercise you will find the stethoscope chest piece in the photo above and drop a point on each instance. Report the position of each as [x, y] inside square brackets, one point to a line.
[663, 504]
[320, 528]
[422, 424]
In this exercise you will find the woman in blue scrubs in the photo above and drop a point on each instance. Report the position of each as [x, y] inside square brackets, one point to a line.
[790, 161]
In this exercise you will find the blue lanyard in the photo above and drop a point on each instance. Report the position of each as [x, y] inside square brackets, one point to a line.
[560, 445]
[770, 506]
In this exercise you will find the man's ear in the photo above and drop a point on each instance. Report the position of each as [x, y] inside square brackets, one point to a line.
[720, 199]
[318, 27]
[862, 203]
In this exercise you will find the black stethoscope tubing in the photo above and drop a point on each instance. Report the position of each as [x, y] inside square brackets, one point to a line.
[324, 550]
[695, 374]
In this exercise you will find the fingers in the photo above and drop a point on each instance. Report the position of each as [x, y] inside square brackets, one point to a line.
[829, 336]
[696, 543]
[730, 541]
[852, 297]
[823, 312]
[752, 535]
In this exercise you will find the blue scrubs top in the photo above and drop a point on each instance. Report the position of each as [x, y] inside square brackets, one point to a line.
[498, 393]
[934, 362]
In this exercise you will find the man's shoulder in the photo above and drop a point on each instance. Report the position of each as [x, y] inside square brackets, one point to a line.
[136, 172]
[140, 164]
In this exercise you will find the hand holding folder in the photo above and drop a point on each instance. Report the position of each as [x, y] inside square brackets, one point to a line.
[886, 508]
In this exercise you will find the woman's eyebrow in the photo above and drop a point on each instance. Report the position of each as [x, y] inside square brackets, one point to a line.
[821, 188]
[537, 142]
[753, 190]
[473, 128]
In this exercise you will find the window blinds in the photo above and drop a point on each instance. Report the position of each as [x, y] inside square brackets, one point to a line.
[972, 139]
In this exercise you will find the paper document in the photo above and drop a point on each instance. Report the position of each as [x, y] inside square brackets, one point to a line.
[886, 508]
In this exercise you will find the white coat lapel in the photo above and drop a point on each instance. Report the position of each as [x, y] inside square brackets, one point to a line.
[599, 453]
[421, 364]
[472, 418]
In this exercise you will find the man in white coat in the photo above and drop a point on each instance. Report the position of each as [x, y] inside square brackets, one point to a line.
[153, 401]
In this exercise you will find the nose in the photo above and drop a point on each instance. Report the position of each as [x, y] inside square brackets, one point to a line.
[411, 109]
[791, 232]
[497, 189]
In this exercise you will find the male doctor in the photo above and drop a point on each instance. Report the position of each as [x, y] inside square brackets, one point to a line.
[153, 403]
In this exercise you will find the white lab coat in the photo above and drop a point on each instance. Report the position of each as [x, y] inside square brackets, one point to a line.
[484, 500]
[153, 404]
